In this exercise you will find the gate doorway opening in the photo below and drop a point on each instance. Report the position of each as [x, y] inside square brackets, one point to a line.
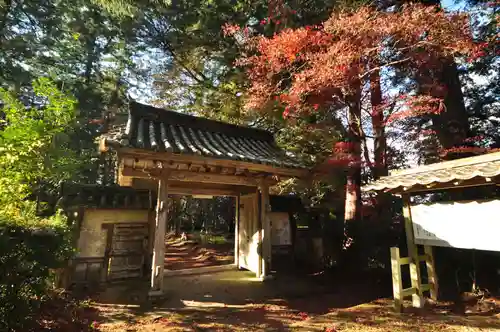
[200, 232]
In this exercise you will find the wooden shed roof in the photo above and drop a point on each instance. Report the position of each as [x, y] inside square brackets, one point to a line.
[161, 130]
[485, 167]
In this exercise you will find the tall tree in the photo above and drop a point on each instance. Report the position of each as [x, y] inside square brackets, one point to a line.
[442, 81]
[84, 49]
[481, 77]
[307, 69]
[32, 144]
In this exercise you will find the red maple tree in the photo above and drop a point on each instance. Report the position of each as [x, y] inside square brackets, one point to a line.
[326, 67]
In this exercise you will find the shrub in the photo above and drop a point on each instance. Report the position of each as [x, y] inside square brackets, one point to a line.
[28, 254]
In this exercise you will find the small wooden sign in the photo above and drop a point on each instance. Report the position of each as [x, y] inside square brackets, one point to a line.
[281, 233]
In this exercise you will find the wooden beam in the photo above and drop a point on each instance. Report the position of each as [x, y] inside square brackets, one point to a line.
[431, 273]
[417, 298]
[173, 190]
[158, 264]
[212, 178]
[426, 287]
[237, 232]
[187, 188]
[408, 292]
[397, 279]
[152, 155]
[151, 237]
[404, 260]
[109, 228]
[185, 176]
[254, 221]
[102, 145]
[265, 229]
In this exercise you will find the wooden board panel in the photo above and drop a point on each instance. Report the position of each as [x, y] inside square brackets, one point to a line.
[466, 225]
[249, 233]
[128, 248]
[281, 232]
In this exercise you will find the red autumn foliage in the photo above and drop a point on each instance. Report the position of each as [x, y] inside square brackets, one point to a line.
[326, 67]
[328, 60]
[473, 139]
[467, 149]
[303, 315]
[418, 105]
[96, 121]
[427, 132]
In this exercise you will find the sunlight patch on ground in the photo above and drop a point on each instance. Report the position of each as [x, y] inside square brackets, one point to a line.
[241, 280]
[198, 304]
[119, 306]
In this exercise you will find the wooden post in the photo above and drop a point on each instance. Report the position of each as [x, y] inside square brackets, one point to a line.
[237, 232]
[255, 225]
[266, 230]
[158, 264]
[151, 237]
[397, 281]
[431, 272]
[110, 229]
[417, 297]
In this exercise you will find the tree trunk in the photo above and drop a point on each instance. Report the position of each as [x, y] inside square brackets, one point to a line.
[353, 186]
[91, 59]
[6, 9]
[380, 167]
[451, 126]
[176, 219]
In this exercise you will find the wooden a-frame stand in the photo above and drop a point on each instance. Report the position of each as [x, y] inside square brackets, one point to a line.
[413, 260]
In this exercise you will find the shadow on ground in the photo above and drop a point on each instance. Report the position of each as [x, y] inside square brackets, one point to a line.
[235, 301]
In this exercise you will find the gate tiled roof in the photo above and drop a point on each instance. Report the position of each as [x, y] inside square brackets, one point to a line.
[167, 131]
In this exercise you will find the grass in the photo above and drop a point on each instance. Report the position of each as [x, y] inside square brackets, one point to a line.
[212, 239]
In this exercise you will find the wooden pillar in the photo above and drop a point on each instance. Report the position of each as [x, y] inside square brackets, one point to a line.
[416, 282]
[151, 237]
[110, 229]
[158, 264]
[397, 280]
[431, 272]
[237, 232]
[265, 230]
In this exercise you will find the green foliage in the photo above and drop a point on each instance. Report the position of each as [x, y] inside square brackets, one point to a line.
[121, 8]
[33, 144]
[33, 147]
[85, 50]
[28, 255]
[191, 214]
[212, 239]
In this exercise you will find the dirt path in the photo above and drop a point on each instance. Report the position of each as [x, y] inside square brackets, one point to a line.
[189, 254]
[236, 301]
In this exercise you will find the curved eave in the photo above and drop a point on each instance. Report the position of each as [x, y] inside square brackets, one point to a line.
[482, 173]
